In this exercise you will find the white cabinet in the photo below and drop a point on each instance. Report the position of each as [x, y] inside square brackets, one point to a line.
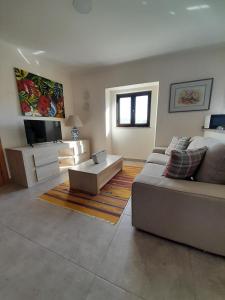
[77, 152]
[30, 165]
[216, 134]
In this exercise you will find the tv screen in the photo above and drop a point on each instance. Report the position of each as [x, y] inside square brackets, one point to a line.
[217, 120]
[38, 131]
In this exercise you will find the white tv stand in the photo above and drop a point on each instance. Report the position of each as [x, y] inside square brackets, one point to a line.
[31, 165]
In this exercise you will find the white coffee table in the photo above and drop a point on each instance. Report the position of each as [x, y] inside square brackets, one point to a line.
[90, 177]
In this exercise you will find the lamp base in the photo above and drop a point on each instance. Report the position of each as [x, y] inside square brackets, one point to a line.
[75, 134]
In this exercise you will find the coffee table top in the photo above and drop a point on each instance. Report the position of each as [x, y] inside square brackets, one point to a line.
[90, 167]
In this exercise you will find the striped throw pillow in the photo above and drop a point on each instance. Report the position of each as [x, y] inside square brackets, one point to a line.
[184, 163]
[178, 143]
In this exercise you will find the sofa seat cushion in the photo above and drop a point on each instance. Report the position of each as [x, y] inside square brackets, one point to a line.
[207, 191]
[158, 158]
[153, 170]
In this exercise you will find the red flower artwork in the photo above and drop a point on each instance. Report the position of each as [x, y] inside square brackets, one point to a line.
[44, 105]
[39, 96]
[25, 107]
[28, 86]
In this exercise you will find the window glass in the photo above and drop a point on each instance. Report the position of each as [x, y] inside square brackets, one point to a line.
[141, 111]
[133, 109]
[125, 110]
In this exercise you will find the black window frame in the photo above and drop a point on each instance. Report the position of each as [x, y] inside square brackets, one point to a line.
[133, 108]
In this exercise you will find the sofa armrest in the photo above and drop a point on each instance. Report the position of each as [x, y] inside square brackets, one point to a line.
[160, 150]
[191, 213]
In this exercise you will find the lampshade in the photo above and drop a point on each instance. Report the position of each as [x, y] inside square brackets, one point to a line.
[74, 121]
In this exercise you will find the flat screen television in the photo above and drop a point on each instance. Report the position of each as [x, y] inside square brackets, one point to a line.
[38, 131]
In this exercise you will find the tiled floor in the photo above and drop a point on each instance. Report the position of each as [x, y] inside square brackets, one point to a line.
[47, 252]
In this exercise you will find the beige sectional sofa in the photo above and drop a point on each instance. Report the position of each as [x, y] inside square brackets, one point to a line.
[189, 212]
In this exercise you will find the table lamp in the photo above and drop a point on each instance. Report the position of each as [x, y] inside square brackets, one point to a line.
[75, 122]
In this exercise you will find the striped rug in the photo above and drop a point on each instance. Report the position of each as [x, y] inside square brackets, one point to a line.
[108, 204]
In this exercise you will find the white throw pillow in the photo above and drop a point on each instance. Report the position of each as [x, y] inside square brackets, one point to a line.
[178, 143]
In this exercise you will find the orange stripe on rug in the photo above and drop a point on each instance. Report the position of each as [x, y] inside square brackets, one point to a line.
[107, 205]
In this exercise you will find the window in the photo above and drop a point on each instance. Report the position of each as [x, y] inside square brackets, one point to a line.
[133, 110]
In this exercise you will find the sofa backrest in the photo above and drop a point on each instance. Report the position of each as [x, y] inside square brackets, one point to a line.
[212, 169]
[200, 141]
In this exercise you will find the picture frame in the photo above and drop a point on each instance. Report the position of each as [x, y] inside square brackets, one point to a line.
[39, 96]
[192, 95]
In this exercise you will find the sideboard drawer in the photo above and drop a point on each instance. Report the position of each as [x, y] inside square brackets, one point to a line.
[66, 152]
[75, 148]
[47, 171]
[45, 159]
[66, 161]
[83, 147]
[82, 157]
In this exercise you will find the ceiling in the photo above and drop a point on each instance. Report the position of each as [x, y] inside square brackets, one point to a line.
[115, 31]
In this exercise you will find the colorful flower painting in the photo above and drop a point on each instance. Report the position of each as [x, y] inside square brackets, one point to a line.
[189, 96]
[38, 96]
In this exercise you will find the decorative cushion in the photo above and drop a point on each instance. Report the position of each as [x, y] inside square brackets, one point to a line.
[184, 163]
[177, 143]
[212, 169]
[158, 158]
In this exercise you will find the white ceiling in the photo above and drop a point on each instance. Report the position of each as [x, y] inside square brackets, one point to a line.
[115, 31]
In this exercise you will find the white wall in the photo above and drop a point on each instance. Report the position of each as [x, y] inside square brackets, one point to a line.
[177, 67]
[124, 140]
[12, 131]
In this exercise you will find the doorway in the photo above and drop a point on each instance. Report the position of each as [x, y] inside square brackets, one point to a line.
[4, 177]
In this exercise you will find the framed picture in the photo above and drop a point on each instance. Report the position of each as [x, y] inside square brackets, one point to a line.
[190, 95]
[39, 96]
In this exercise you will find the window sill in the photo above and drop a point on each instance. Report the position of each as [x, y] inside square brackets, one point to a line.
[127, 126]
